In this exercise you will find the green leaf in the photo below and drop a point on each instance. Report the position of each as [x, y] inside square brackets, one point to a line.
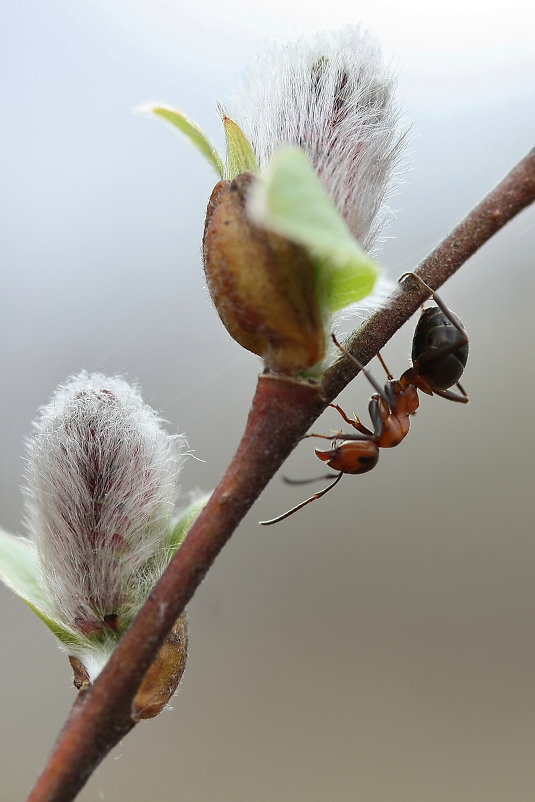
[184, 523]
[63, 634]
[20, 571]
[293, 202]
[19, 568]
[192, 131]
[240, 154]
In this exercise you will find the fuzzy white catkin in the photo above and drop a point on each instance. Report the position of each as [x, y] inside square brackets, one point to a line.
[330, 95]
[101, 486]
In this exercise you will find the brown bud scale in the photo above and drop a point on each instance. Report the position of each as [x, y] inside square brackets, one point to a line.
[263, 285]
[162, 678]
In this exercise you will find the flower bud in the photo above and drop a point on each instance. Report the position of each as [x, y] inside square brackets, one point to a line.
[316, 123]
[161, 680]
[330, 94]
[262, 284]
[101, 485]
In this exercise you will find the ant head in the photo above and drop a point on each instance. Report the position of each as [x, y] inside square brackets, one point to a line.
[413, 378]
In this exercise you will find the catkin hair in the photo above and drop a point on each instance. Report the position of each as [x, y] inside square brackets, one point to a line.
[101, 482]
[332, 96]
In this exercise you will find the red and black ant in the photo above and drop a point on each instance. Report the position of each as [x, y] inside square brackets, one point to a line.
[439, 356]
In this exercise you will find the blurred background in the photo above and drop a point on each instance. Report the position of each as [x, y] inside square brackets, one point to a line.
[380, 644]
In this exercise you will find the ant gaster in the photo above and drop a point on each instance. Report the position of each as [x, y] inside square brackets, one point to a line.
[439, 356]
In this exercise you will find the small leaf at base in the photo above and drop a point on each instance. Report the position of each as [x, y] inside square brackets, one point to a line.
[192, 131]
[240, 154]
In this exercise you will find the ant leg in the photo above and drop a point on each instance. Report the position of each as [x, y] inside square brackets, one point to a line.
[341, 436]
[355, 422]
[376, 386]
[454, 320]
[333, 436]
[388, 393]
[462, 397]
[289, 481]
[376, 418]
[461, 388]
[303, 503]
[385, 366]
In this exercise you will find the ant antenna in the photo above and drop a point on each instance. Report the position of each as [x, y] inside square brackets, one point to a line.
[418, 278]
[303, 503]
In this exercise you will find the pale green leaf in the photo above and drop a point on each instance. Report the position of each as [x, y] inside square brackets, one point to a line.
[63, 634]
[192, 131]
[293, 202]
[184, 523]
[19, 568]
[240, 154]
[20, 571]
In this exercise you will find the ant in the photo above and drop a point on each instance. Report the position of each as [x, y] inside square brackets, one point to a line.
[439, 355]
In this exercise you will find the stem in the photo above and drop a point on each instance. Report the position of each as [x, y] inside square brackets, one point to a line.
[281, 412]
[101, 716]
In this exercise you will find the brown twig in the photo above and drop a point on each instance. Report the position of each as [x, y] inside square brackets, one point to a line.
[281, 412]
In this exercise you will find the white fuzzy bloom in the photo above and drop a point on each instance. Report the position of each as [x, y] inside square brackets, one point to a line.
[101, 485]
[331, 96]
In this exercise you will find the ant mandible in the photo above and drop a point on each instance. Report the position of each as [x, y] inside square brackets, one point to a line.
[439, 355]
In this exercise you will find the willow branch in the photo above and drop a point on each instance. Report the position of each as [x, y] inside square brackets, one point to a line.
[281, 412]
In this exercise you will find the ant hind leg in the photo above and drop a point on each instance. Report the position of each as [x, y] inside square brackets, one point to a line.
[461, 398]
[303, 503]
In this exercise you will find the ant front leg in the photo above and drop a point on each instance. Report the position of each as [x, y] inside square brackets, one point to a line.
[378, 411]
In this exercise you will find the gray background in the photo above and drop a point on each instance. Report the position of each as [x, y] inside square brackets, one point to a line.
[379, 645]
